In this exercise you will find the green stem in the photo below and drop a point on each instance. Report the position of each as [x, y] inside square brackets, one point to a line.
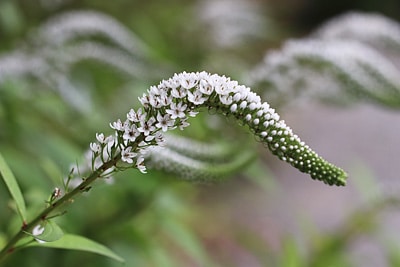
[10, 247]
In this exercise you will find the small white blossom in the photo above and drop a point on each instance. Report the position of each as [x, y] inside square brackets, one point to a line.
[196, 97]
[127, 155]
[170, 83]
[100, 138]
[164, 122]
[154, 90]
[118, 125]
[146, 126]
[144, 100]
[95, 147]
[183, 124]
[134, 116]
[226, 99]
[205, 87]
[177, 110]
[188, 80]
[140, 164]
[221, 87]
[165, 100]
[155, 101]
[131, 133]
[160, 139]
[178, 92]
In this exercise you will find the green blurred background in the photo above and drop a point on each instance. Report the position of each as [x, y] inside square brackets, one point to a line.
[266, 215]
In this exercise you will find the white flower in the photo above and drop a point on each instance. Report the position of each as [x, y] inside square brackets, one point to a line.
[154, 90]
[177, 110]
[164, 122]
[205, 87]
[165, 100]
[104, 140]
[134, 116]
[140, 164]
[100, 138]
[178, 92]
[221, 86]
[127, 155]
[95, 147]
[144, 100]
[131, 133]
[232, 85]
[196, 97]
[160, 139]
[253, 97]
[226, 99]
[188, 80]
[172, 83]
[183, 124]
[155, 101]
[146, 126]
[118, 125]
[109, 140]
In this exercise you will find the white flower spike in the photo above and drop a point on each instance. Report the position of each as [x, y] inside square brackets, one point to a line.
[186, 92]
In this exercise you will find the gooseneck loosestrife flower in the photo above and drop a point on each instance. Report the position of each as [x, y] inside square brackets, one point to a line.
[168, 105]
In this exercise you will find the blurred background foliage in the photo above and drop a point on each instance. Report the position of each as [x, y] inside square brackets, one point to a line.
[156, 219]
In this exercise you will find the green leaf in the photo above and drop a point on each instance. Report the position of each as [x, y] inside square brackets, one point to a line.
[52, 232]
[13, 188]
[76, 242]
[290, 254]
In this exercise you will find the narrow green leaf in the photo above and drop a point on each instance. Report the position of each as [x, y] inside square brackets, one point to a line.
[76, 242]
[290, 254]
[13, 188]
[52, 232]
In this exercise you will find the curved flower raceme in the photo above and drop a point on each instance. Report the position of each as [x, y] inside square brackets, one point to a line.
[198, 161]
[168, 105]
[348, 58]
[345, 69]
[369, 28]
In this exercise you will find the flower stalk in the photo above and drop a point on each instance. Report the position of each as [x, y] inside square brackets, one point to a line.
[168, 106]
[47, 212]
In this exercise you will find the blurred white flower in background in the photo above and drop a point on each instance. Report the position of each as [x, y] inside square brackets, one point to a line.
[232, 22]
